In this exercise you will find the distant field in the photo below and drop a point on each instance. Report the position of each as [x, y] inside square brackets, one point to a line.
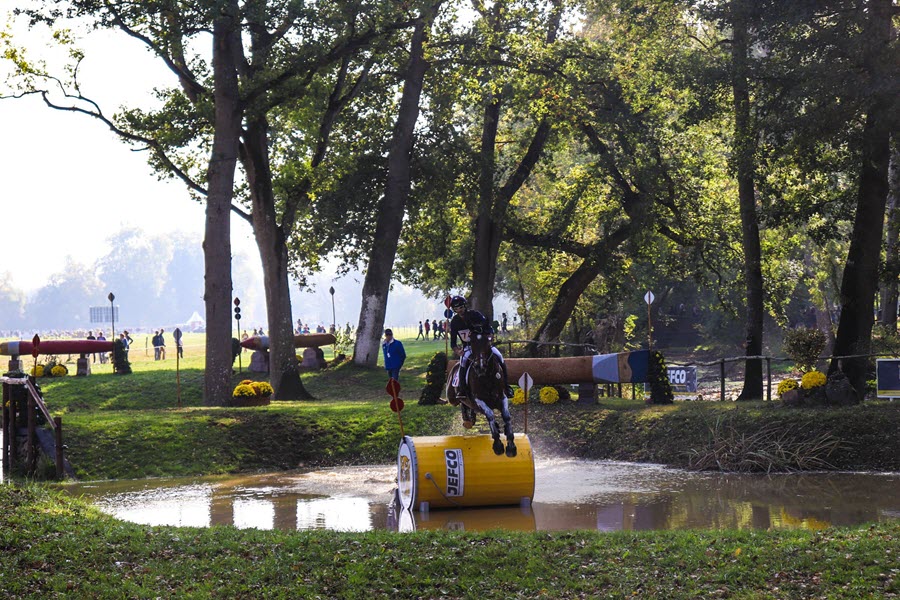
[141, 353]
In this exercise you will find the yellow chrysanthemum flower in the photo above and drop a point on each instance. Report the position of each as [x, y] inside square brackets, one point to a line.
[787, 385]
[813, 379]
[244, 391]
[263, 388]
[549, 395]
[518, 397]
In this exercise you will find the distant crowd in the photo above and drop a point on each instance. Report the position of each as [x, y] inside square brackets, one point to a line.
[437, 329]
[434, 329]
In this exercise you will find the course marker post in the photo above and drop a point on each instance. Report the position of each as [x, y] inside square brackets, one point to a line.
[393, 389]
[525, 382]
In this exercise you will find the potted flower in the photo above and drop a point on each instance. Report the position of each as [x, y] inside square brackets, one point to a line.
[548, 395]
[518, 396]
[812, 385]
[252, 393]
[789, 392]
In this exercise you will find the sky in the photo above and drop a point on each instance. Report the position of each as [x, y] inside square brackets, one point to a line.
[68, 183]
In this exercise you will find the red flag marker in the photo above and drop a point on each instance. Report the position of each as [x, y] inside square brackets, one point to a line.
[393, 388]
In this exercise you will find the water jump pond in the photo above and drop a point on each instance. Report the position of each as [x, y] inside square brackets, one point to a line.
[569, 494]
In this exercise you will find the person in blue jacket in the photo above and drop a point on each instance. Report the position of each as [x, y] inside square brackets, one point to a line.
[394, 354]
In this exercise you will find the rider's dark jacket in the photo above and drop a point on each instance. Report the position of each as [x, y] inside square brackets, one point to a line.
[461, 327]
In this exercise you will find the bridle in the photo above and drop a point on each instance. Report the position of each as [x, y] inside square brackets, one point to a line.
[481, 352]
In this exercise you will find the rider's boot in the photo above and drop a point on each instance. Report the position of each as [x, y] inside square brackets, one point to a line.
[506, 388]
[463, 388]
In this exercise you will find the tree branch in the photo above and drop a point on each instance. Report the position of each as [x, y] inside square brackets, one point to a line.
[192, 88]
[547, 241]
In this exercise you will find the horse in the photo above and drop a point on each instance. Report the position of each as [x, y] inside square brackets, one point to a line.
[484, 377]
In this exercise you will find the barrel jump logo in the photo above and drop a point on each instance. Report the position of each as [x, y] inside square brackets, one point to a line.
[453, 457]
[405, 472]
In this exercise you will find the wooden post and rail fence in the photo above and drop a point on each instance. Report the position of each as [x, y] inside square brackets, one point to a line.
[720, 364]
[10, 429]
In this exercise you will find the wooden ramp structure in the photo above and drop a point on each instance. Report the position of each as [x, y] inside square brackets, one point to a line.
[37, 439]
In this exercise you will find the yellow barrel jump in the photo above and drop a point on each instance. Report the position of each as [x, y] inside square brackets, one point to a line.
[462, 470]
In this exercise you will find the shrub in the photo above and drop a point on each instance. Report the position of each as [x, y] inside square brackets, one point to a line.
[804, 345]
[435, 378]
[121, 366]
[813, 379]
[344, 341]
[59, 371]
[658, 378]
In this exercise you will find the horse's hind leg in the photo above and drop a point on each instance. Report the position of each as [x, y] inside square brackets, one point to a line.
[495, 429]
[508, 430]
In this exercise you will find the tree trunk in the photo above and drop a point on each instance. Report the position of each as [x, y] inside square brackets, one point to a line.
[377, 282]
[270, 239]
[891, 273]
[572, 288]
[745, 163]
[564, 304]
[217, 237]
[860, 281]
[492, 206]
[484, 269]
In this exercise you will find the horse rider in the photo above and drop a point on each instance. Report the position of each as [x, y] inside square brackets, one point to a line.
[465, 321]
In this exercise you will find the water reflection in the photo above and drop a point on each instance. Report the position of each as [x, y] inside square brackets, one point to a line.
[569, 494]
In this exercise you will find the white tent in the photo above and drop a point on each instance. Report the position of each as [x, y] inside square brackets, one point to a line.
[196, 322]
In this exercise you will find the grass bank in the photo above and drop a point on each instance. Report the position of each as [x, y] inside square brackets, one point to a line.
[153, 423]
[55, 546]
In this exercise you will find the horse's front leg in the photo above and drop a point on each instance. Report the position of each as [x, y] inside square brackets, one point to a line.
[507, 428]
[468, 415]
[495, 429]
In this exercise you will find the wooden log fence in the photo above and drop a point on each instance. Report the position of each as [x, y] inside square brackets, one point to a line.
[720, 363]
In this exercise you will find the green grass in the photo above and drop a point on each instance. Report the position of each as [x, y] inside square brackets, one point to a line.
[52, 545]
[131, 426]
[55, 546]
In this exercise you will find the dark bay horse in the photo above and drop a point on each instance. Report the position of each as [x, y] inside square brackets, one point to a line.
[486, 394]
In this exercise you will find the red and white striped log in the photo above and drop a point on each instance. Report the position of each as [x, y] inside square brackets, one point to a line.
[303, 340]
[47, 347]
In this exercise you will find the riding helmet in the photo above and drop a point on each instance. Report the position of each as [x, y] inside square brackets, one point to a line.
[457, 301]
